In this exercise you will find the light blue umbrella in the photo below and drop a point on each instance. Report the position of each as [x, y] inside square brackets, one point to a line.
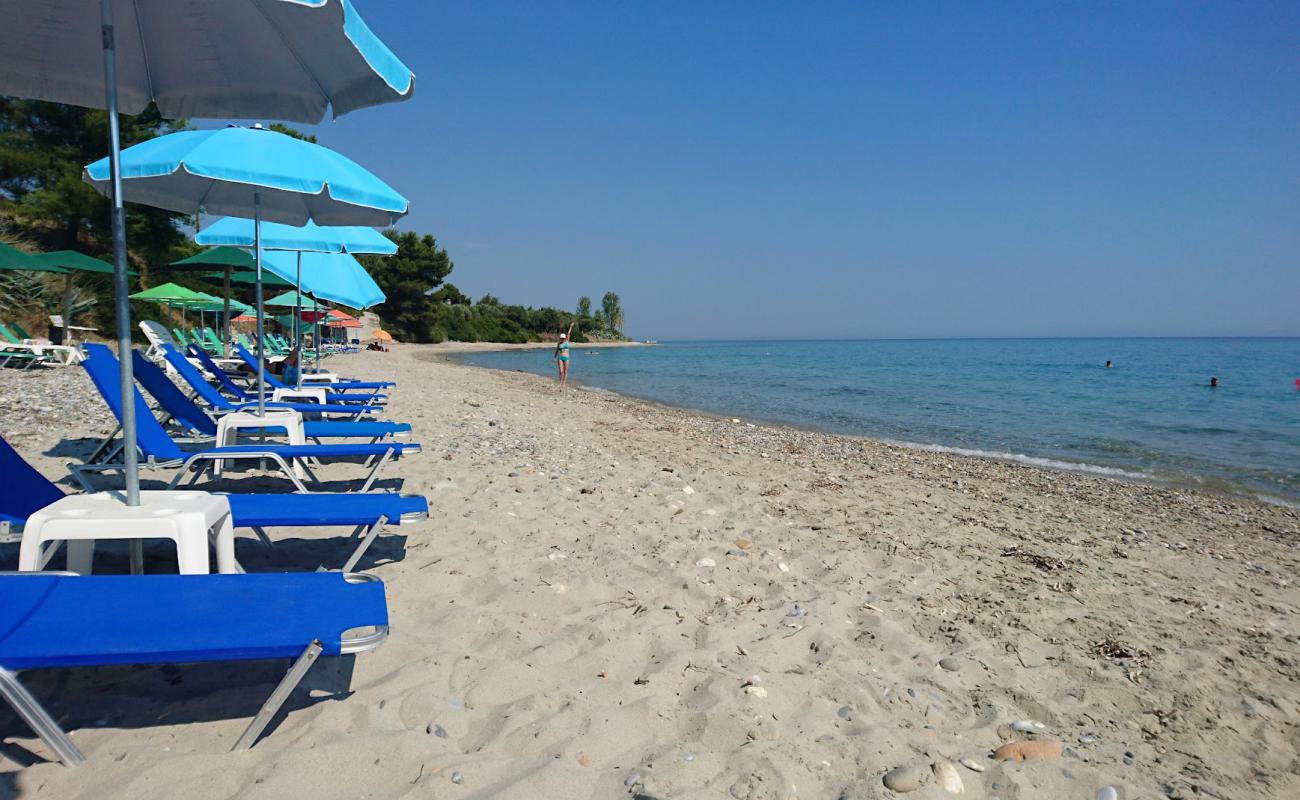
[255, 59]
[335, 277]
[341, 280]
[308, 238]
[252, 172]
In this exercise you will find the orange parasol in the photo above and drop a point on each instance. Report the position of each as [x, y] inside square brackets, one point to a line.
[384, 335]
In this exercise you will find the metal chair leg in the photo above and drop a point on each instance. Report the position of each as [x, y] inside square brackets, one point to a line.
[281, 693]
[39, 719]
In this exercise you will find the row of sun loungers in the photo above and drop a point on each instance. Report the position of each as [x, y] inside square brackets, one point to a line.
[65, 619]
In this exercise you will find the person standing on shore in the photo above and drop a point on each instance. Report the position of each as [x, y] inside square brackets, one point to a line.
[561, 355]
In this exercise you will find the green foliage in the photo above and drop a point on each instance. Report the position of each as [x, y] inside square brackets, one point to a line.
[294, 132]
[410, 279]
[584, 306]
[611, 312]
[43, 149]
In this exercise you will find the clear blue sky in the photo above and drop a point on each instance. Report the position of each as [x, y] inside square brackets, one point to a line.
[747, 169]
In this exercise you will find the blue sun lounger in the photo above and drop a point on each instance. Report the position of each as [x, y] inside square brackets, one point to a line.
[245, 397]
[60, 620]
[332, 390]
[219, 404]
[161, 451]
[24, 491]
[183, 410]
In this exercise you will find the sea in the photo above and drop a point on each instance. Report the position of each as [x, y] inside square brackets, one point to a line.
[1050, 402]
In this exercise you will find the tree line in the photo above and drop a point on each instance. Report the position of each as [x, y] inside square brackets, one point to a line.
[45, 206]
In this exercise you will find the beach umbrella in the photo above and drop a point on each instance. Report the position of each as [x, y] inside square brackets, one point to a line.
[257, 59]
[337, 319]
[255, 172]
[335, 276]
[382, 335]
[74, 261]
[11, 258]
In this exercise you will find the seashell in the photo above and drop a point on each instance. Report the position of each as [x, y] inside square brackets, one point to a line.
[907, 778]
[971, 763]
[1107, 793]
[1027, 751]
[946, 774]
[1028, 726]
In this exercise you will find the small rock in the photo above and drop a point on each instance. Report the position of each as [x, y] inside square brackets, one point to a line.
[584, 760]
[744, 544]
[907, 778]
[798, 611]
[439, 731]
[688, 756]
[946, 774]
[757, 691]
[1087, 738]
[457, 778]
[951, 664]
[1027, 751]
[1028, 726]
[632, 780]
[911, 692]
[1107, 793]
[706, 562]
[687, 490]
[784, 567]
[513, 475]
[844, 713]
[971, 763]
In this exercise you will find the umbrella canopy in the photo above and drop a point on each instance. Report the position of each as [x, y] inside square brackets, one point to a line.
[73, 261]
[171, 293]
[249, 277]
[308, 238]
[257, 59]
[291, 299]
[231, 170]
[382, 335]
[336, 277]
[218, 257]
[13, 258]
[337, 319]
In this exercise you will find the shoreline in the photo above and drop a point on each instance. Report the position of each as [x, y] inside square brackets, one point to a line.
[1192, 483]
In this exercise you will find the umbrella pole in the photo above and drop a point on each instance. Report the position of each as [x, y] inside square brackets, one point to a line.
[297, 320]
[67, 308]
[130, 455]
[225, 318]
[257, 248]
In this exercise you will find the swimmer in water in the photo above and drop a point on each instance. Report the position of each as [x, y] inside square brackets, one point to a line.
[1214, 383]
[1108, 364]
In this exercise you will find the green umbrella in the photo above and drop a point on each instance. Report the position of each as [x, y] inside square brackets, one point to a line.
[13, 258]
[72, 261]
[171, 293]
[292, 299]
[248, 278]
[219, 257]
[78, 262]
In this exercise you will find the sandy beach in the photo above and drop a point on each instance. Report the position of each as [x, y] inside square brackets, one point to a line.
[618, 599]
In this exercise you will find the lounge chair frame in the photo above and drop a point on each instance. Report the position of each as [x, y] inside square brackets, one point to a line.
[40, 721]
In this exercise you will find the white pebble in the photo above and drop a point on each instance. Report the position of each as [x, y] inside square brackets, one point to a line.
[1027, 725]
[757, 691]
[706, 562]
[784, 567]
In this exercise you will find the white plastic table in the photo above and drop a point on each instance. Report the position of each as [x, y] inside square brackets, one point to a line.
[228, 428]
[319, 377]
[188, 518]
[310, 394]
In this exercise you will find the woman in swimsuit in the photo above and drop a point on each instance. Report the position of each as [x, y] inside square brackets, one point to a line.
[561, 355]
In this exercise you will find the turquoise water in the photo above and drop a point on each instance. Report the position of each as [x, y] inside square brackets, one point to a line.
[1046, 401]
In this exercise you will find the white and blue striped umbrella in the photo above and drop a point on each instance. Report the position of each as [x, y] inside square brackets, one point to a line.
[216, 59]
[311, 237]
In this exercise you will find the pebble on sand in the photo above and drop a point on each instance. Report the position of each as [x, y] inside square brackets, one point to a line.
[949, 663]
[946, 774]
[907, 778]
[1107, 793]
[706, 562]
[971, 763]
[757, 691]
[1027, 751]
[1028, 726]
